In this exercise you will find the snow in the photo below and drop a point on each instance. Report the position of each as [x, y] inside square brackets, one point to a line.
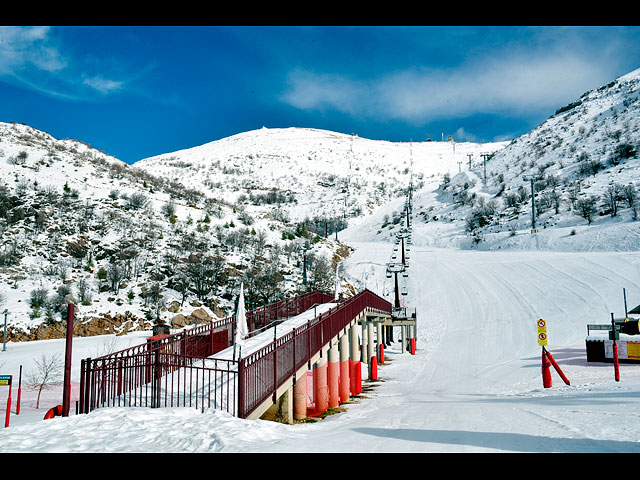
[474, 384]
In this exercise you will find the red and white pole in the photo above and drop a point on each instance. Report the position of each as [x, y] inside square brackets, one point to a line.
[546, 374]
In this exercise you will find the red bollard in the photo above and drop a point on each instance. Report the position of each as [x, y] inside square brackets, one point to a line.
[555, 365]
[381, 352]
[413, 346]
[6, 418]
[546, 374]
[374, 368]
[616, 366]
[19, 391]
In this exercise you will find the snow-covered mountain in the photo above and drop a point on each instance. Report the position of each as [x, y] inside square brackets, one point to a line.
[176, 235]
[585, 165]
[136, 240]
[314, 173]
[131, 247]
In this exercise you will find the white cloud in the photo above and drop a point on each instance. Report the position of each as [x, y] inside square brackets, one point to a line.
[25, 47]
[511, 84]
[30, 57]
[103, 85]
[310, 91]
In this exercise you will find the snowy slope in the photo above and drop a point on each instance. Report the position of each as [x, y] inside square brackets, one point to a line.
[329, 174]
[588, 147]
[473, 386]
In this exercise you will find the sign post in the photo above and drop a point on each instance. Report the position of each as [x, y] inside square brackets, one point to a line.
[7, 380]
[547, 358]
[542, 332]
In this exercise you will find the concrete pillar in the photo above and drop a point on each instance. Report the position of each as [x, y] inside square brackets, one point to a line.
[363, 348]
[320, 388]
[285, 407]
[371, 352]
[333, 375]
[345, 384]
[371, 346]
[403, 337]
[300, 397]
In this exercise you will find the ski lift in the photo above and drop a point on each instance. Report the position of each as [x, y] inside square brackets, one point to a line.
[388, 274]
[405, 274]
[393, 257]
[404, 291]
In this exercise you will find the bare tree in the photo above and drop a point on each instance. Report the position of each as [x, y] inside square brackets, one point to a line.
[586, 208]
[49, 369]
[611, 198]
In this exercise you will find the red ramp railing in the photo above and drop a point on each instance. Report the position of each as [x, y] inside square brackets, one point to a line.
[175, 371]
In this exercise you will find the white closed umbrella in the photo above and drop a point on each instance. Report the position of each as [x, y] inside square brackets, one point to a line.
[242, 331]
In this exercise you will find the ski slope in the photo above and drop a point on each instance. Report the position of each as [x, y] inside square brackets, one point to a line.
[474, 384]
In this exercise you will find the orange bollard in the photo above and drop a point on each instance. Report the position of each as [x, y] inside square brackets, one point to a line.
[345, 381]
[333, 372]
[300, 397]
[320, 389]
[546, 374]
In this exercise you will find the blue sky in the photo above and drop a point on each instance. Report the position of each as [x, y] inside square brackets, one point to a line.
[135, 92]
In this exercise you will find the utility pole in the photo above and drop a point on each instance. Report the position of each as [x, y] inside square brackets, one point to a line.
[484, 157]
[469, 155]
[4, 337]
[395, 268]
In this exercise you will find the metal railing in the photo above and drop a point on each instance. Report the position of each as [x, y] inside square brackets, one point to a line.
[262, 372]
[132, 376]
[174, 370]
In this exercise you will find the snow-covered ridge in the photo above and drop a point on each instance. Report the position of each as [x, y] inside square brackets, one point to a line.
[329, 174]
[588, 151]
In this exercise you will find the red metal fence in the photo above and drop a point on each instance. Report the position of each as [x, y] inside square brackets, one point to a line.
[262, 372]
[174, 370]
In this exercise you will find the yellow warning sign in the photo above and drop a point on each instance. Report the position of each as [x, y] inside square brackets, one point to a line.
[542, 332]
